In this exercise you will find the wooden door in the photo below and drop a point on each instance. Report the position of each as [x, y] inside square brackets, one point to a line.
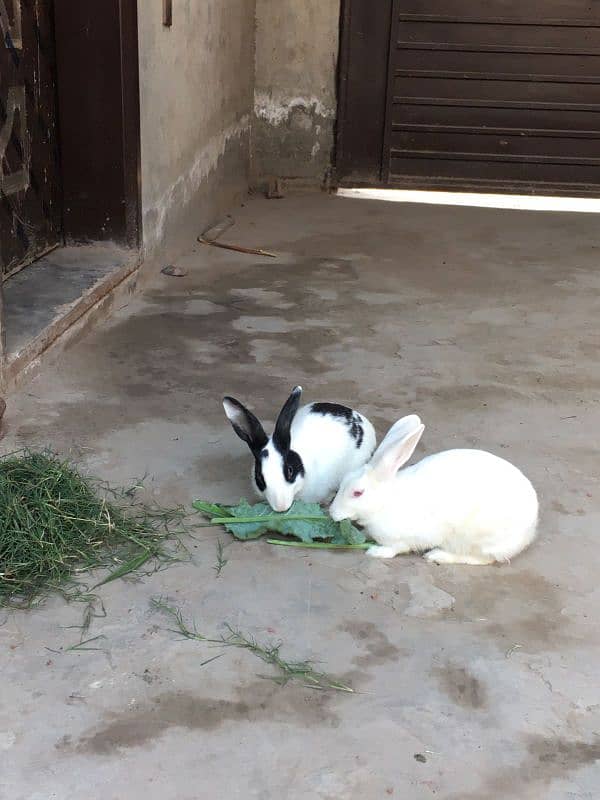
[30, 215]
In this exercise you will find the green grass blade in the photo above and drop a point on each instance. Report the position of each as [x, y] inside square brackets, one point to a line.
[210, 509]
[125, 569]
[81, 645]
[208, 660]
[321, 545]
[264, 519]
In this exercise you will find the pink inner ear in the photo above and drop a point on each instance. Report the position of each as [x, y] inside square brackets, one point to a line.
[358, 493]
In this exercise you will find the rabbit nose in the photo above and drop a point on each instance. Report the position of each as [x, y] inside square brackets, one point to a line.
[279, 504]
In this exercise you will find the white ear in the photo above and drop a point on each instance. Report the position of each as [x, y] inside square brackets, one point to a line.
[400, 429]
[396, 449]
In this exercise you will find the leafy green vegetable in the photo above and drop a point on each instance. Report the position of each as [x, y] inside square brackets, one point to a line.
[210, 509]
[304, 521]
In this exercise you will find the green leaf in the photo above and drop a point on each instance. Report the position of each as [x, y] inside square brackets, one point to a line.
[350, 534]
[304, 521]
[306, 530]
[210, 509]
[248, 530]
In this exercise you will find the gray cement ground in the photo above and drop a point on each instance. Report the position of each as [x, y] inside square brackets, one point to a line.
[35, 297]
[484, 322]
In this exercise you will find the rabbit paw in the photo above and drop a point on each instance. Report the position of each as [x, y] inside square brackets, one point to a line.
[381, 552]
[439, 556]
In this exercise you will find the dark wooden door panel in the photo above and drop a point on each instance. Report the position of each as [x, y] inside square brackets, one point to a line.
[30, 218]
[363, 71]
[98, 99]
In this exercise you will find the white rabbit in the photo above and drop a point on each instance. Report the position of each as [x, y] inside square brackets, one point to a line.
[462, 506]
[310, 451]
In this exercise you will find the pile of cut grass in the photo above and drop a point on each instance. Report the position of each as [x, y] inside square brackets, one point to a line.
[56, 524]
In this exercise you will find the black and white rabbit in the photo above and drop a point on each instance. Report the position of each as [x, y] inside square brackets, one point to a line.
[310, 451]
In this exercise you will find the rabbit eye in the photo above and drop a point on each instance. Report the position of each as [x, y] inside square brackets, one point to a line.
[358, 493]
[292, 467]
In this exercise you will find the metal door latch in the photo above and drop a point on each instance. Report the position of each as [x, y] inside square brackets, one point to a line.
[167, 13]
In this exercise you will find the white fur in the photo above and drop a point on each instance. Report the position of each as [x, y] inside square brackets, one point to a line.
[328, 453]
[463, 506]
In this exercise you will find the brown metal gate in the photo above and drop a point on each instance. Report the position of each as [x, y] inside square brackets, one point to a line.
[29, 177]
[503, 95]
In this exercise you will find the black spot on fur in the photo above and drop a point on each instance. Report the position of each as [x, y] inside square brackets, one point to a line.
[357, 431]
[350, 417]
[333, 410]
[292, 466]
[258, 473]
[259, 478]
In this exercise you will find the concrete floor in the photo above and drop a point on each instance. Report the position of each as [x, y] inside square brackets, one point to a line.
[486, 323]
[42, 292]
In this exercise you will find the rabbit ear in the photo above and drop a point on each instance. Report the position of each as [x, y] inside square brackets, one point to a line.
[400, 429]
[245, 424]
[281, 435]
[398, 446]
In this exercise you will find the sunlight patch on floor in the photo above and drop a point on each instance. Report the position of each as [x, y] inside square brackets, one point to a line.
[588, 205]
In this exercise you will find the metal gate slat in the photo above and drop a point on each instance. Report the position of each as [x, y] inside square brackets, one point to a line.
[537, 23]
[497, 76]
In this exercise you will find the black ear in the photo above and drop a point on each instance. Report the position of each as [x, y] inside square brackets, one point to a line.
[281, 436]
[245, 424]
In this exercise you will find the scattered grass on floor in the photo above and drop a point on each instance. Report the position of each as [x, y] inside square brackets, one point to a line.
[302, 671]
[80, 646]
[56, 525]
[221, 560]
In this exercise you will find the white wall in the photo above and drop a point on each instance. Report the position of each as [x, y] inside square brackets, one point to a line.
[196, 97]
[295, 91]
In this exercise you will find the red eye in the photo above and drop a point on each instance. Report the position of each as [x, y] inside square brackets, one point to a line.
[358, 493]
